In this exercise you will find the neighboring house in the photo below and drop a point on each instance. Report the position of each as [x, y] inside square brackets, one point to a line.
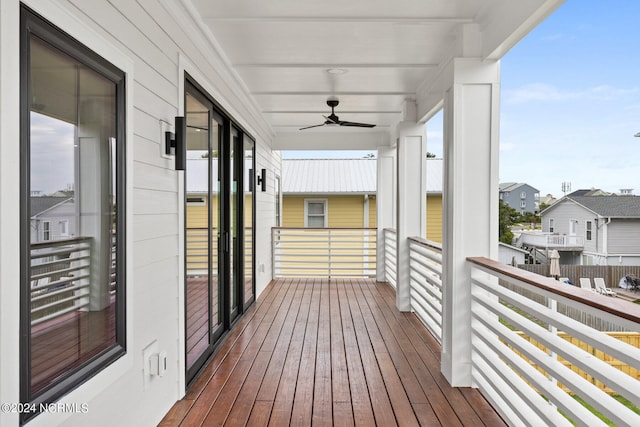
[52, 218]
[598, 230]
[511, 255]
[198, 207]
[342, 193]
[548, 200]
[520, 196]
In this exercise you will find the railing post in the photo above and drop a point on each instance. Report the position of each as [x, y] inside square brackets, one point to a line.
[330, 250]
[411, 196]
[274, 274]
[385, 205]
[470, 217]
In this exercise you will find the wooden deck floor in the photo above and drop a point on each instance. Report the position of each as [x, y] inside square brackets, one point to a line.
[320, 352]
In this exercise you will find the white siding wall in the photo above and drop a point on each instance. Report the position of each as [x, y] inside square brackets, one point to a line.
[153, 41]
[563, 214]
[624, 236]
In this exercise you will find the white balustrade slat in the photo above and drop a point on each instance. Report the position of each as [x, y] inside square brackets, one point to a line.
[489, 347]
[503, 400]
[609, 345]
[323, 252]
[588, 363]
[529, 405]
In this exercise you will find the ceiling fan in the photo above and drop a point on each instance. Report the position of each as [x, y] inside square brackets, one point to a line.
[333, 120]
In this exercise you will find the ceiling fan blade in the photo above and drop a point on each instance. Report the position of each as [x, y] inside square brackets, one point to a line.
[331, 120]
[313, 126]
[354, 124]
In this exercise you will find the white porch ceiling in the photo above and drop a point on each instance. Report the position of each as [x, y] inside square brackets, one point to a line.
[391, 51]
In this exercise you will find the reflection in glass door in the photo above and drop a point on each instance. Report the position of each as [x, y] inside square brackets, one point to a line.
[218, 226]
[233, 226]
[249, 189]
[203, 313]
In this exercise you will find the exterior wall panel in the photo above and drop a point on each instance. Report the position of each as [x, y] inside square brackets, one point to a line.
[151, 38]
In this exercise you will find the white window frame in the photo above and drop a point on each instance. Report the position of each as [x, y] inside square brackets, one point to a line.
[325, 214]
[46, 231]
[523, 204]
[64, 227]
[588, 230]
[523, 195]
[551, 225]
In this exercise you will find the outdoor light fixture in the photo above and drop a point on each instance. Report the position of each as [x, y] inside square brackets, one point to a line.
[262, 180]
[176, 143]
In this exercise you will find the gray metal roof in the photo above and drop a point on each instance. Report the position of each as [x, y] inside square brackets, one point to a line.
[512, 186]
[610, 206]
[44, 203]
[320, 176]
[331, 176]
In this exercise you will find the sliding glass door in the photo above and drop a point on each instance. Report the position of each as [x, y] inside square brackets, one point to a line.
[204, 322]
[215, 248]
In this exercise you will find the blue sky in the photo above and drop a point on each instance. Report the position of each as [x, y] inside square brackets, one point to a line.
[570, 101]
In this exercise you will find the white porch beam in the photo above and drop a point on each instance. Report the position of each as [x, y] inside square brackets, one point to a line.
[329, 140]
[470, 217]
[385, 202]
[411, 204]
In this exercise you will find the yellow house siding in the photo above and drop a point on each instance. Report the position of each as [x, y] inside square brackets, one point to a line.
[372, 212]
[343, 211]
[292, 211]
[197, 216]
[434, 218]
[248, 201]
[346, 211]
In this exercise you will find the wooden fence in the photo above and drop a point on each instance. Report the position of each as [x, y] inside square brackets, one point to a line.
[610, 273]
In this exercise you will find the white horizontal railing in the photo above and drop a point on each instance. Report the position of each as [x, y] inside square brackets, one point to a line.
[530, 360]
[550, 240]
[425, 278]
[60, 277]
[324, 252]
[535, 364]
[390, 256]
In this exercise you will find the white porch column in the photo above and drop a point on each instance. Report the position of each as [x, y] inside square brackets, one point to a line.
[385, 202]
[470, 226]
[411, 198]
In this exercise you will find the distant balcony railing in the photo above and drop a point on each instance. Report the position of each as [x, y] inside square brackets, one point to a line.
[197, 251]
[324, 252]
[60, 273]
[534, 363]
[425, 262]
[550, 240]
[390, 264]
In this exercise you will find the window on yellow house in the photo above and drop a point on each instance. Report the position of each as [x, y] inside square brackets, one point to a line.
[315, 213]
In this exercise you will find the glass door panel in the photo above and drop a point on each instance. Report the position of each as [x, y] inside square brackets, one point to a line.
[197, 221]
[249, 189]
[219, 218]
[216, 268]
[204, 324]
[233, 225]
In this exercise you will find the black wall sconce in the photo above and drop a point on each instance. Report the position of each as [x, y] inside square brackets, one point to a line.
[262, 180]
[176, 143]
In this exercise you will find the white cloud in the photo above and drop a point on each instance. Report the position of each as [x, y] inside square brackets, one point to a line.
[550, 93]
[507, 146]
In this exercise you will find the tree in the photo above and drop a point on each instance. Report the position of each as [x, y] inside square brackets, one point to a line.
[430, 155]
[506, 215]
